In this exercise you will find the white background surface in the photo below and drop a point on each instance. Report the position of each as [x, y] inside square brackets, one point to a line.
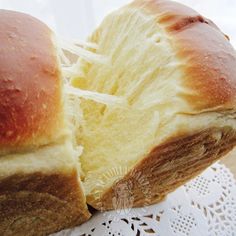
[77, 18]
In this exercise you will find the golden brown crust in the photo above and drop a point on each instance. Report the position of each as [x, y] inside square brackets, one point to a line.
[167, 167]
[40, 204]
[208, 61]
[30, 83]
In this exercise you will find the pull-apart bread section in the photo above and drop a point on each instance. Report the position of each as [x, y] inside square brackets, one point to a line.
[40, 189]
[177, 72]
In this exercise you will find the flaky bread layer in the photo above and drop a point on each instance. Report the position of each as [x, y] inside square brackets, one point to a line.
[167, 167]
[41, 192]
[40, 204]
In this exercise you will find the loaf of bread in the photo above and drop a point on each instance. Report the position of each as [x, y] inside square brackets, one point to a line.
[155, 107]
[40, 190]
[177, 71]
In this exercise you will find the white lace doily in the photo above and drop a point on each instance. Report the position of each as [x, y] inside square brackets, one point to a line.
[206, 206]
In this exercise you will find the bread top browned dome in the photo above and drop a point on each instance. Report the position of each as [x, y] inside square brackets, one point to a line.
[30, 83]
[208, 60]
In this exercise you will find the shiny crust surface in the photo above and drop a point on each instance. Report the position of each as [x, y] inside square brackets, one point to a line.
[30, 84]
[167, 167]
[40, 204]
[207, 59]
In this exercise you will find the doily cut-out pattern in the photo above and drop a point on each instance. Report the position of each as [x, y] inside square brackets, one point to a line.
[204, 206]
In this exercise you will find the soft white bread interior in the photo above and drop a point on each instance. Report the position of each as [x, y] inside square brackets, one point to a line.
[176, 70]
[40, 188]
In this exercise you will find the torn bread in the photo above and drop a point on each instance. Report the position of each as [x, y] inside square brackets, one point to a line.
[152, 105]
[176, 70]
